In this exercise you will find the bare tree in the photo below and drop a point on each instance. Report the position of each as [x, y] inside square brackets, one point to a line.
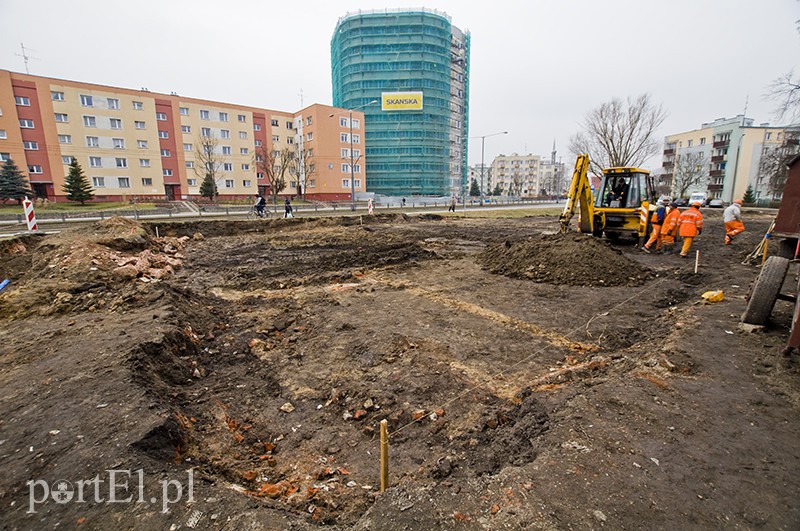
[274, 164]
[209, 160]
[620, 133]
[303, 169]
[773, 166]
[785, 92]
[515, 186]
[691, 169]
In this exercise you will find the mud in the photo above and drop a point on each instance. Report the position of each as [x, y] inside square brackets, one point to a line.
[529, 380]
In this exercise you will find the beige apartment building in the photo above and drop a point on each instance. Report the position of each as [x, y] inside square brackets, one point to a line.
[528, 175]
[144, 145]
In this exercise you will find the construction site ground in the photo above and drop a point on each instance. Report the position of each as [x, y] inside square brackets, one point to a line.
[530, 380]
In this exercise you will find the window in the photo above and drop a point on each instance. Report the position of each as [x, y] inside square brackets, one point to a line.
[113, 103]
[163, 134]
[768, 136]
[310, 136]
[289, 125]
[61, 117]
[92, 141]
[223, 117]
[308, 121]
[144, 163]
[227, 166]
[119, 143]
[356, 139]
[66, 159]
[258, 143]
[243, 135]
[34, 168]
[276, 138]
[226, 150]
[242, 118]
[205, 131]
[289, 140]
[228, 183]
[4, 157]
[184, 111]
[161, 116]
[259, 175]
[141, 144]
[274, 123]
[187, 147]
[191, 182]
[123, 182]
[343, 121]
[89, 121]
[343, 137]
[165, 153]
[99, 182]
[86, 101]
[121, 162]
[357, 169]
[257, 127]
[139, 124]
[224, 133]
[356, 153]
[147, 181]
[22, 100]
[356, 123]
[65, 139]
[346, 169]
[703, 141]
[186, 129]
[345, 153]
[689, 143]
[56, 96]
[243, 151]
[30, 145]
[246, 183]
[245, 167]
[138, 106]
[312, 183]
[345, 183]
[95, 162]
[167, 172]
[26, 124]
[189, 164]
[116, 123]
[205, 115]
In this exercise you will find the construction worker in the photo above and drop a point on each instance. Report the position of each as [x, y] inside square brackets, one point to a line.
[691, 225]
[669, 229]
[657, 220]
[733, 221]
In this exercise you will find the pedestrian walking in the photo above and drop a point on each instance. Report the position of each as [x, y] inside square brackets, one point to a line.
[287, 208]
[691, 226]
[657, 221]
[452, 207]
[733, 221]
[669, 229]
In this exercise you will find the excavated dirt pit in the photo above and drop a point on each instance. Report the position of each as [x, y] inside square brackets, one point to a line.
[529, 380]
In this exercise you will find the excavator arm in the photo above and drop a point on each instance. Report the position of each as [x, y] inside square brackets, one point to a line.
[579, 195]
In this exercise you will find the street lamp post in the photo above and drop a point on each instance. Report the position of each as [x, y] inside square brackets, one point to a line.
[483, 140]
[352, 162]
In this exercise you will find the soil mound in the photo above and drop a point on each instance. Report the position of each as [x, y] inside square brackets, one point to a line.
[571, 259]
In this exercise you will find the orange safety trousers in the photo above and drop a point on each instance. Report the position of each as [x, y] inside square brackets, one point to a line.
[687, 244]
[732, 228]
[655, 237]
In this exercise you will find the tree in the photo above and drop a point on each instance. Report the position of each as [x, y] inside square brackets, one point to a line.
[209, 162]
[620, 133]
[274, 164]
[691, 169]
[13, 184]
[785, 92]
[773, 166]
[208, 188]
[302, 169]
[749, 196]
[474, 190]
[497, 190]
[76, 184]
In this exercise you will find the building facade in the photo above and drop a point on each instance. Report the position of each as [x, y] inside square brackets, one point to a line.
[528, 175]
[411, 152]
[722, 159]
[139, 144]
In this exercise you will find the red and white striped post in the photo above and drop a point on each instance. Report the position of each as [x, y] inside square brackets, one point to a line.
[369, 206]
[30, 217]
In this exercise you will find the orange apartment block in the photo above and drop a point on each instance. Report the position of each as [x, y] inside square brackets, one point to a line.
[136, 144]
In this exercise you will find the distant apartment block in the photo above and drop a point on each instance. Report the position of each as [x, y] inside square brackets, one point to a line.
[528, 175]
[139, 144]
[722, 158]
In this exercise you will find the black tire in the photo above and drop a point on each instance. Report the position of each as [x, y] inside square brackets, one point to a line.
[765, 290]
[786, 248]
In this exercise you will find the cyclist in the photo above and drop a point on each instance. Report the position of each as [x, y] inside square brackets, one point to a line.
[259, 205]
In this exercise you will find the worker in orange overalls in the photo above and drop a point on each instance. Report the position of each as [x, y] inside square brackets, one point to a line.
[657, 220]
[691, 225]
[733, 221]
[669, 229]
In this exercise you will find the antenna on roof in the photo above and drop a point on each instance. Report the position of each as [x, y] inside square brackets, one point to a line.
[744, 117]
[301, 97]
[26, 57]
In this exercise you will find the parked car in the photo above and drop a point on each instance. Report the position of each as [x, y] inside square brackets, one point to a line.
[698, 196]
[663, 198]
[682, 202]
[716, 203]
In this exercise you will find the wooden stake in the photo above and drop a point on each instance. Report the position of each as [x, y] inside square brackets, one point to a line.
[384, 455]
[156, 231]
[696, 261]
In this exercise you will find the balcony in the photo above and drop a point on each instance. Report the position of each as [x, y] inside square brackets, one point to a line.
[714, 187]
[669, 152]
[722, 144]
[668, 164]
[718, 158]
[716, 173]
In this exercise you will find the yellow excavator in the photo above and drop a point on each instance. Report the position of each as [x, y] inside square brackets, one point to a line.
[620, 206]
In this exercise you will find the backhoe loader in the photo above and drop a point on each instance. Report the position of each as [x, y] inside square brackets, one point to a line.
[620, 206]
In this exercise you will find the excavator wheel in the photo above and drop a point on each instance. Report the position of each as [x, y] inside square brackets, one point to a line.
[765, 290]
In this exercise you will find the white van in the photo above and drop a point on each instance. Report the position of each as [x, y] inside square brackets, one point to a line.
[698, 196]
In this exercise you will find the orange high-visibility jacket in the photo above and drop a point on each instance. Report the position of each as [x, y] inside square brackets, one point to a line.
[691, 221]
[670, 225]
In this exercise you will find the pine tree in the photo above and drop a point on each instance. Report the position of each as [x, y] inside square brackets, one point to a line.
[13, 184]
[76, 185]
[474, 191]
[497, 190]
[749, 196]
[208, 188]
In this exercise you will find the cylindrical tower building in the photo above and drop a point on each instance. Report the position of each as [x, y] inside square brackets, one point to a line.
[407, 152]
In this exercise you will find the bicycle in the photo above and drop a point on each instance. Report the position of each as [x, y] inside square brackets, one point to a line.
[253, 213]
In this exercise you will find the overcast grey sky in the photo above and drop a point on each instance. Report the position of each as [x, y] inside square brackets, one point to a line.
[537, 66]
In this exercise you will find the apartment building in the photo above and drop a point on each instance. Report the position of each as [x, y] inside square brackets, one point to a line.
[139, 144]
[722, 158]
[528, 175]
